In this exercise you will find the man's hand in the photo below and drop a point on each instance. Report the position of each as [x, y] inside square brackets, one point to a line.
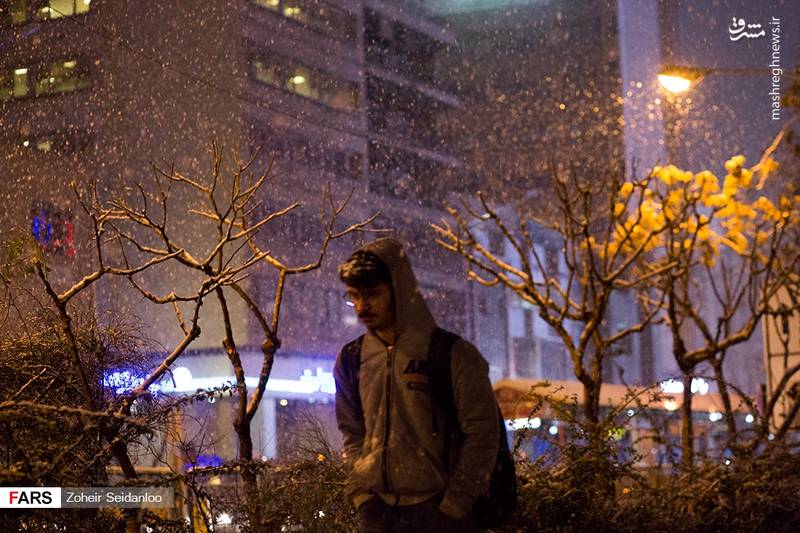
[448, 508]
[361, 499]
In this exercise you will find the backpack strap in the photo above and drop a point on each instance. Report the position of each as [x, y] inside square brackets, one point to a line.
[441, 381]
[351, 364]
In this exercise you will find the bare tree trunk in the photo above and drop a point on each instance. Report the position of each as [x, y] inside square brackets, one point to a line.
[119, 449]
[248, 472]
[591, 399]
[730, 420]
[242, 422]
[687, 429]
[132, 521]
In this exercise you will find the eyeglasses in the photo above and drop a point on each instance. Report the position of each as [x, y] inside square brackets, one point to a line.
[354, 296]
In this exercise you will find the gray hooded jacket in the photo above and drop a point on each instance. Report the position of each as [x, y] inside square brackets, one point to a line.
[392, 450]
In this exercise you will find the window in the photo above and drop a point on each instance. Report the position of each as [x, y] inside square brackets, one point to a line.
[320, 16]
[524, 350]
[330, 159]
[59, 142]
[290, 75]
[497, 242]
[551, 260]
[296, 9]
[58, 77]
[447, 306]
[555, 360]
[14, 12]
[527, 315]
[301, 82]
[13, 83]
[54, 9]
[269, 4]
[62, 77]
[398, 48]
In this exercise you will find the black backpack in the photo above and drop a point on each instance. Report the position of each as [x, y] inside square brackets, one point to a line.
[495, 508]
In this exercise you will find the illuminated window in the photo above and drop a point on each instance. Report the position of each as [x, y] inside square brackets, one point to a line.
[62, 77]
[320, 16]
[269, 4]
[54, 9]
[13, 83]
[344, 96]
[267, 73]
[288, 74]
[14, 12]
[295, 9]
[59, 142]
[301, 82]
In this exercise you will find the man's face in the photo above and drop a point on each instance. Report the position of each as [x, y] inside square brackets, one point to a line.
[373, 305]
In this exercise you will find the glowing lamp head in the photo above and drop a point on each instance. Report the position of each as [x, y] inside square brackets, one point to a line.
[674, 84]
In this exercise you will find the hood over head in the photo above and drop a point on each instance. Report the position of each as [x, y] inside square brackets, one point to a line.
[411, 310]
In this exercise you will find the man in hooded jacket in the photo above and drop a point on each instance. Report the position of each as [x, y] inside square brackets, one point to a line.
[404, 476]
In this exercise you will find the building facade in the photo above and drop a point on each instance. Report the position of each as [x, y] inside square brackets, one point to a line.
[346, 93]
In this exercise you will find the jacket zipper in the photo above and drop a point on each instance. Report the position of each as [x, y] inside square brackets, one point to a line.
[385, 461]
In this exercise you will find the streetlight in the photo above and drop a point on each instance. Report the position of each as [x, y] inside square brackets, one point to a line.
[781, 341]
[674, 84]
[679, 79]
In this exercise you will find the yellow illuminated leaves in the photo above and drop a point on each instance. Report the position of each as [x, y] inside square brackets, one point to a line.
[716, 200]
[736, 241]
[671, 174]
[767, 167]
[693, 215]
[767, 208]
[734, 164]
[704, 233]
[680, 211]
[706, 182]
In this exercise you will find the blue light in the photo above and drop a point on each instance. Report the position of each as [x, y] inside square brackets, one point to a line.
[206, 461]
[41, 229]
[35, 227]
[122, 381]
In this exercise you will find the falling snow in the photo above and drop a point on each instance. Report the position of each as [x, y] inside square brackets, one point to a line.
[408, 106]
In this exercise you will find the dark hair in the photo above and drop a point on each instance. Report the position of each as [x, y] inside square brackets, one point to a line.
[364, 269]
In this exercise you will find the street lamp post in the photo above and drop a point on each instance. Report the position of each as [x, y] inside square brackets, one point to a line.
[779, 329]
